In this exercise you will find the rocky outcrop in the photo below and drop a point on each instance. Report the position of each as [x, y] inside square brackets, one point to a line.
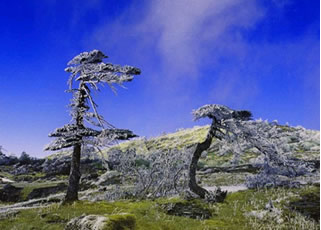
[106, 222]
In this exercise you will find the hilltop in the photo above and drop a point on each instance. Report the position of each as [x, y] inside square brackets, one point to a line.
[184, 138]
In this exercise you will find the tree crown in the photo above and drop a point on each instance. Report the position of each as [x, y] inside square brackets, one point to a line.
[90, 71]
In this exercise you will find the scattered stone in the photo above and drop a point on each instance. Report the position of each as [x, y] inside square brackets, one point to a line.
[107, 222]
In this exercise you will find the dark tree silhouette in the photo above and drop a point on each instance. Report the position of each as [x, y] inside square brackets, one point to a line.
[89, 71]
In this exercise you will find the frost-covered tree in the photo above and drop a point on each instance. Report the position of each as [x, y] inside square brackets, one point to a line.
[271, 141]
[89, 71]
[154, 174]
[219, 114]
[235, 132]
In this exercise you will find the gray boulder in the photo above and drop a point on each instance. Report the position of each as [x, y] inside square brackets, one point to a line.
[106, 222]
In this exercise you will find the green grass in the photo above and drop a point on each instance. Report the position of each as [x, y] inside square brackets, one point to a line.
[231, 214]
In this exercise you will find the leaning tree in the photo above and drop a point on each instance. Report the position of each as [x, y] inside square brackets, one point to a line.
[219, 114]
[236, 132]
[90, 72]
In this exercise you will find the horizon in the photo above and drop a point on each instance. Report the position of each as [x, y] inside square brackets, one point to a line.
[262, 56]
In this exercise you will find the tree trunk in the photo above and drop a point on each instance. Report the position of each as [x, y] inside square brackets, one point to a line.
[194, 187]
[74, 176]
[219, 196]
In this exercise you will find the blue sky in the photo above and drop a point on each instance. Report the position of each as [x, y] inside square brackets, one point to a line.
[262, 56]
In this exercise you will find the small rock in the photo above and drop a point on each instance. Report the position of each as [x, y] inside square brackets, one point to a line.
[269, 206]
[4, 180]
[91, 222]
[97, 222]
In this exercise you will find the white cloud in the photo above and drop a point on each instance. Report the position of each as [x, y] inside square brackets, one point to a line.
[185, 34]
[188, 32]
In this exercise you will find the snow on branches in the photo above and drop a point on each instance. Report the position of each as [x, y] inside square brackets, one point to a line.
[220, 113]
[89, 70]
[70, 134]
[154, 174]
[236, 133]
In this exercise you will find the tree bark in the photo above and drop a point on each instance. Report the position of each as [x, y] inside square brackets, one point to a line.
[74, 176]
[194, 187]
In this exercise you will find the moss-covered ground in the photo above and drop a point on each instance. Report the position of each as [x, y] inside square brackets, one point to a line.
[231, 214]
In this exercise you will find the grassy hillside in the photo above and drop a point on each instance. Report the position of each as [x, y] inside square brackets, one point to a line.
[187, 137]
[179, 139]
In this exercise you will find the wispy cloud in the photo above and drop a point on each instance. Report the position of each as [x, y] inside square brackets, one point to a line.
[188, 32]
[185, 34]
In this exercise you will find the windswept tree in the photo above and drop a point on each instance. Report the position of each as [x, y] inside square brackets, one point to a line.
[237, 133]
[219, 129]
[89, 72]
